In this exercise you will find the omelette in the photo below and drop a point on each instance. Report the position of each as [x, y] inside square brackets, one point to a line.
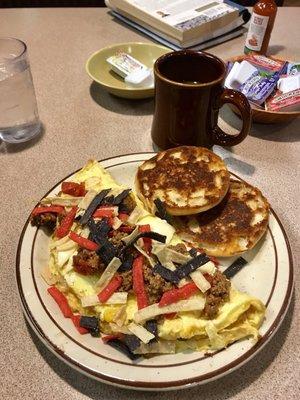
[124, 275]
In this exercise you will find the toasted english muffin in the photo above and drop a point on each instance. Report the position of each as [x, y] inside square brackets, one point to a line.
[232, 227]
[187, 179]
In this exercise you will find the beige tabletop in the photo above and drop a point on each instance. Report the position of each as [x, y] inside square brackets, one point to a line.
[80, 122]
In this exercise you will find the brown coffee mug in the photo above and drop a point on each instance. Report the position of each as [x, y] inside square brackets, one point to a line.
[189, 93]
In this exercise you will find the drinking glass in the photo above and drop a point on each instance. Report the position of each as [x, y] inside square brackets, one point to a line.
[19, 120]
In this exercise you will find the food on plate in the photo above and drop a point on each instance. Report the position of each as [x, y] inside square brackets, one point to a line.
[119, 273]
[187, 179]
[175, 182]
[232, 227]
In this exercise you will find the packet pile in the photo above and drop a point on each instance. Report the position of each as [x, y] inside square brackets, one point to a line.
[266, 82]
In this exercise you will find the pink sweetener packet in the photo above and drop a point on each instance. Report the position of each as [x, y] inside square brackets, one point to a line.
[289, 101]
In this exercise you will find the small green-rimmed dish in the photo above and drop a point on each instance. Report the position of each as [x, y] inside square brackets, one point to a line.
[100, 71]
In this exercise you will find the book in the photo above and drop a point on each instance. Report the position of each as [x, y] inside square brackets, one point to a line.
[160, 38]
[183, 23]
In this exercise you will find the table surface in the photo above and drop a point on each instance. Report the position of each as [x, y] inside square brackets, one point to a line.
[82, 121]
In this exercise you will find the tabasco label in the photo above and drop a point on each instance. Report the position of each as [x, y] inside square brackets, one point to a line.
[256, 32]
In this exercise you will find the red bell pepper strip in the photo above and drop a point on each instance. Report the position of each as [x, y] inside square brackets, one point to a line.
[66, 224]
[73, 189]
[126, 228]
[110, 221]
[147, 241]
[112, 286]
[123, 216]
[107, 338]
[170, 315]
[76, 322]
[214, 260]
[138, 282]
[61, 301]
[174, 295]
[102, 212]
[83, 242]
[47, 209]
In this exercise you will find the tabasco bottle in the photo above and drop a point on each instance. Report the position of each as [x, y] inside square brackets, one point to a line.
[261, 25]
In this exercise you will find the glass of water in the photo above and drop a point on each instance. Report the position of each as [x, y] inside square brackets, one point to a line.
[19, 119]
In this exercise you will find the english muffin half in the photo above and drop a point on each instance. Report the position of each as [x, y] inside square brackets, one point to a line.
[187, 179]
[232, 227]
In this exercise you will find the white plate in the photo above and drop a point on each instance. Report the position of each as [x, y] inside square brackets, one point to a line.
[262, 277]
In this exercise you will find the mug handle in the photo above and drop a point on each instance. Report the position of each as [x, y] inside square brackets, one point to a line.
[240, 101]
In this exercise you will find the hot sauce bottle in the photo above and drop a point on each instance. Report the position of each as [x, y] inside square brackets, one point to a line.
[261, 25]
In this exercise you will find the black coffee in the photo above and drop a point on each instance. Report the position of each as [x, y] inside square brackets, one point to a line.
[191, 68]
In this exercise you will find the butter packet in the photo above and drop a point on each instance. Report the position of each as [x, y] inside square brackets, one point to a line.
[135, 73]
[287, 83]
[123, 64]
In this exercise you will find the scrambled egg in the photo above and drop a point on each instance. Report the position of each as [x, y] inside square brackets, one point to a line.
[238, 318]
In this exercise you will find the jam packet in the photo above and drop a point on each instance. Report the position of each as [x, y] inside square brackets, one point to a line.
[284, 101]
[258, 87]
[267, 65]
[263, 82]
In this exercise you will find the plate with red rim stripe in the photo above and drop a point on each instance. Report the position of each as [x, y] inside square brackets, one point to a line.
[262, 278]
